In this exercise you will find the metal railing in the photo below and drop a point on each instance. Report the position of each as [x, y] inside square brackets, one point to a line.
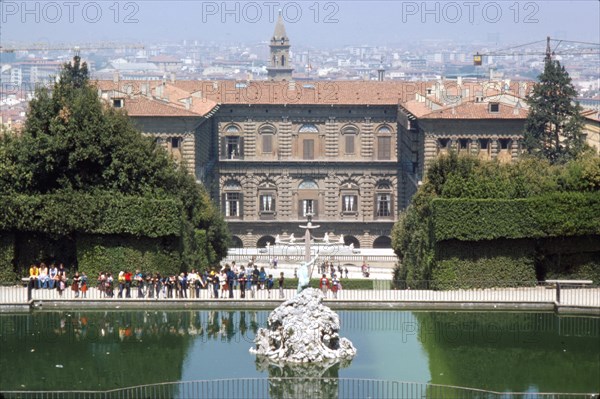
[512, 293]
[281, 387]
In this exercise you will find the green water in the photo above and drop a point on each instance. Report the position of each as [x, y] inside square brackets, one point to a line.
[499, 351]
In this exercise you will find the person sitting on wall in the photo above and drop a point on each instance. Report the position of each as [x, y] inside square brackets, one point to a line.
[52, 275]
[33, 276]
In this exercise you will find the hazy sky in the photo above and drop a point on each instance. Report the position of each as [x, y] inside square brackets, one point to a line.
[309, 23]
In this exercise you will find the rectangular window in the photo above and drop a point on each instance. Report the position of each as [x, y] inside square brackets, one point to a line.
[350, 143]
[267, 143]
[349, 203]
[233, 150]
[494, 107]
[232, 204]
[484, 144]
[308, 150]
[383, 205]
[384, 147]
[504, 144]
[463, 144]
[267, 203]
[118, 102]
[175, 142]
[307, 206]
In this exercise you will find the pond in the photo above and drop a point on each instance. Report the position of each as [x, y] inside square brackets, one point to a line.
[497, 351]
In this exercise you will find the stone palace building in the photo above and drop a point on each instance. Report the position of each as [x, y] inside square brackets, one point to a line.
[350, 152]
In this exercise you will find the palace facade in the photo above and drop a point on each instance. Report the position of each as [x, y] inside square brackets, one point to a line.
[352, 153]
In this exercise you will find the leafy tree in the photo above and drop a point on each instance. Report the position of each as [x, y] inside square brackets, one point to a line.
[553, 126]
[72, 141]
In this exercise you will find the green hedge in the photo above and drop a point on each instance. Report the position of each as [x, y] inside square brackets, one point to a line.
[499, 263]
[559, 214]
[7, 255]
[108, 213]
[114, 253]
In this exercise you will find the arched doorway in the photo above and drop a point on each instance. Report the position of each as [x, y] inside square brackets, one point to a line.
[262, 241]
[351, 240]
[382, 242]
[236, 242]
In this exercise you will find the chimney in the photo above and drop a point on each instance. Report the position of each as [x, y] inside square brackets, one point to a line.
[188, 103]
[145, 89]
[172, 77]
[115, 76]
[159, 91]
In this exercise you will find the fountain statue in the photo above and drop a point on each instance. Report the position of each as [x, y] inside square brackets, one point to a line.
[302, 329]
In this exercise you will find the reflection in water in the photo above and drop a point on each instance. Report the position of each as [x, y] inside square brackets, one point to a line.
[312, 380]
[107, 350]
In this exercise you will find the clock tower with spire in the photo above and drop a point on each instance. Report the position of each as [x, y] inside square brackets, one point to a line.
[279, 65]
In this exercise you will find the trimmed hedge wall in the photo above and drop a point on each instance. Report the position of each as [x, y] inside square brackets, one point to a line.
[96, 254]
[112, 213]
[499, 263]
[560, 214]
[7, 255]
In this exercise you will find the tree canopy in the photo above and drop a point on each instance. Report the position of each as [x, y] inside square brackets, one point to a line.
[74, 142]
[553, 127]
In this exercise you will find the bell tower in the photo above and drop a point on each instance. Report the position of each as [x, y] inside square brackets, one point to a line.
[279, 63]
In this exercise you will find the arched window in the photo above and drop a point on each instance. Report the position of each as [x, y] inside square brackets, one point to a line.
[307, 198]
[349, 134]
[267, 133]
[308, 128]
[232, 143]
[384, 143]
[308, 185]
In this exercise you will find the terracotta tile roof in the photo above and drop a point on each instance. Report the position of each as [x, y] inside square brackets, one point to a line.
[205, 95]
[304, 92]
[591, 114]
[143, 106]
[473, 110]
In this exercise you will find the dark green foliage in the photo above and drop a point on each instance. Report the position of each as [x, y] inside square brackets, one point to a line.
[33, 247]
[553, 126]
[484, 264]
[552, 215]
[465, 199]
[7, 256]
[63, 214]
[116, 253]
[74, 148]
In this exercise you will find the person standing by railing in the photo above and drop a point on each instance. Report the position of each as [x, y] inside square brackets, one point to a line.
[280, 281]
[242, 279]
[121, 282]
[324, 285]
[75, 284]
[128, 278]
[83, 285]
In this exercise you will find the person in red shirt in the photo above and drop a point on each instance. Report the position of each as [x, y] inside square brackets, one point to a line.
[324, 285]
[128, 277]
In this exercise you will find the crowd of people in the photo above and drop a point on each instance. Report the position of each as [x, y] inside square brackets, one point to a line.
[217, 282]
[43, 277]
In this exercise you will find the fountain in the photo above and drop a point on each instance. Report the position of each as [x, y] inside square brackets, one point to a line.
[302, 329]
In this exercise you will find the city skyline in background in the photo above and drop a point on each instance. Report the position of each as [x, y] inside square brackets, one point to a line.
[319, 24]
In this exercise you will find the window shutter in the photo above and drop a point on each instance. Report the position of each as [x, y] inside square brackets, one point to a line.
[224, 147]
[300, 209]
[316, 207]
[241, 147]
[241, 205]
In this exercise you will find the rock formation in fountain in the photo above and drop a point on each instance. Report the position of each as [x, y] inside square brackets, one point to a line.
[303, 330]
